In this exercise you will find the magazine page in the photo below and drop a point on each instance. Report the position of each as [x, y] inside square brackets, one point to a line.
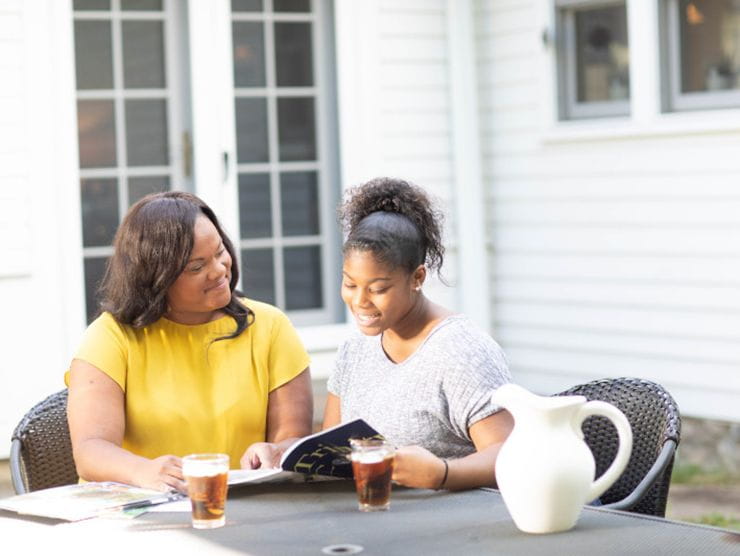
[84, 500]
[326, 452]
[257, 476]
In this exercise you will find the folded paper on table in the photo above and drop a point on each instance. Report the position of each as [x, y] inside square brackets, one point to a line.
[85, 500]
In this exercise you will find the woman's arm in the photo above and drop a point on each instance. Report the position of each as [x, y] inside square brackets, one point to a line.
[332, 414]
[415, 466]
[97, 422]
[289, 417]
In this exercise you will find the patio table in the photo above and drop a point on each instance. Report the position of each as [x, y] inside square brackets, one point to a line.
[323, 516]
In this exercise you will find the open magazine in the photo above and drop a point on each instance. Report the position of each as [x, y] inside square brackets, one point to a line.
[319, 456]
[85, 500]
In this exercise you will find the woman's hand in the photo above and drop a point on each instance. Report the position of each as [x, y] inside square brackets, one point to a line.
[262, 455]
[417, 467]
[162, 473]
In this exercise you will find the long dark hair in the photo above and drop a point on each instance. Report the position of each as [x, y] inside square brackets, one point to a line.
[151, 249]
[396, 221]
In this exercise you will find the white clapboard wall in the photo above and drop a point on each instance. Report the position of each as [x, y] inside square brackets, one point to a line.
[614, 254]
[393, 72]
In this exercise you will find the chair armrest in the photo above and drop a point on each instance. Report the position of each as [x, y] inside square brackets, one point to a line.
[16, 473]
[662, 461]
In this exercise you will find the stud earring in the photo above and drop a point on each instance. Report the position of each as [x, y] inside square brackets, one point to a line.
[417, 288]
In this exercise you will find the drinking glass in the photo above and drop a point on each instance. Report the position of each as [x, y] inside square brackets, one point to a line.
[206, 476]
[372, 465]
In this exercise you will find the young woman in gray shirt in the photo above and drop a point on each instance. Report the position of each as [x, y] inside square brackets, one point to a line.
[419, 374]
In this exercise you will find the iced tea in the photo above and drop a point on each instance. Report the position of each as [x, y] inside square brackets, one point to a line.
[206, 476]
[372, 466]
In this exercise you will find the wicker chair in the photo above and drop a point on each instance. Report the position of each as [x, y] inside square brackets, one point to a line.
[656, 430]
[41, 451]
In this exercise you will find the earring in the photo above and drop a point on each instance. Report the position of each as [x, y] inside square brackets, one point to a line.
[417, 288]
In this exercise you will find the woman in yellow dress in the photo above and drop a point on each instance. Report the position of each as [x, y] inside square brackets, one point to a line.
[178, 362]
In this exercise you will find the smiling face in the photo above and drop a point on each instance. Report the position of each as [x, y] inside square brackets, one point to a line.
[203, 287]
[379, 298]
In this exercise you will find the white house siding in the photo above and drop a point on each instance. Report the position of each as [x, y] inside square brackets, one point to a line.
[40, 262]
[394, 92]
[615, 253]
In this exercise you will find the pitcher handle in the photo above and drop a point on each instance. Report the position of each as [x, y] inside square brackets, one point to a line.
[624, 432]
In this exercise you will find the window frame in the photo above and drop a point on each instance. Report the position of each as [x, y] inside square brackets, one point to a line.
[566, 60]
[674, 100]
[174, 92]
[326, 164]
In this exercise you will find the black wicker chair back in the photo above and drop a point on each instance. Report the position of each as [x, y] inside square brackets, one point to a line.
[41, 451]
[656, 430]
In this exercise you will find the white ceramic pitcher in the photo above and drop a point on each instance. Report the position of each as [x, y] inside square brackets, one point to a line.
[545, 471]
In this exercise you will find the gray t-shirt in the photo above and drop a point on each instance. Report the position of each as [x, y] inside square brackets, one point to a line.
[433, 397]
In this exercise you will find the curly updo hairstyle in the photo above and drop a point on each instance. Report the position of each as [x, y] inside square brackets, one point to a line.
[151, 249]
[396, 221]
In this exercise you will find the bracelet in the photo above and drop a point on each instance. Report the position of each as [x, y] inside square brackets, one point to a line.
[444, 479]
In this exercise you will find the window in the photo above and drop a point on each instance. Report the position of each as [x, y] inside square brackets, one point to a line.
[285, 156]
[593, 58]
[702, 42]
[130, 115]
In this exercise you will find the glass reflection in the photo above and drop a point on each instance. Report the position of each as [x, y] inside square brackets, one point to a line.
[141, 5]
[93, 55]
[99, 199]
[296, 128]
[291, 5]
[143, 54]
[602, 54]
[246, 5]
[96, 131]
[249, 54]
[302, 266]
[146, 132]
[255, 206]
[299, 203]
[293, 54]
[258, 276]
[85, 5]
[251, 130]
[710, 45]
[94, 271]
[142, 186]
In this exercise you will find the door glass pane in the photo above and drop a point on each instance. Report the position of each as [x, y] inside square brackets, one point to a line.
[94, 55]
[249, 54]
[141, 5]
[710, 45]
[255, 207]
[146, 132]
[602, 54]
[251, 130]
[296, 128]
[291, 5]
[143, 54]
[91, 5]
[142, 186]
[96, 130]
[258, 276]
[299, 203]
[246, 5]
[293, 54]
[302, 278]
[94, 271]
[99, 198]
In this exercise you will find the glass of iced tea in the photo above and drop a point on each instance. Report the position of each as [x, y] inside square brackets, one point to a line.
[372, 466]
[206, 476]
